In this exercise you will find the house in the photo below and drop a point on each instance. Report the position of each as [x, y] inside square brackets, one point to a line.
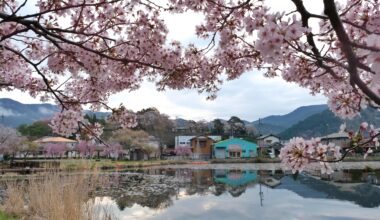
[339, 139]
[184, 141]
[270, 144]
[201, 147]
[266, 140]
[234, 148]
[70, 144]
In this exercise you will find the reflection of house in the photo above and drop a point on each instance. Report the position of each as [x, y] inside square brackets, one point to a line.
[234, 148]
[339, 139]
[201, 181]
[185, 141]
[270, 143]
[201, 147]
[235, 178]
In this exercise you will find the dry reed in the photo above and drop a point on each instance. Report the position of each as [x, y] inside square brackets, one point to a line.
[56, 197]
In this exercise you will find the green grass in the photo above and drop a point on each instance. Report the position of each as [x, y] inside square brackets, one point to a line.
[4, 216]
[92, 164]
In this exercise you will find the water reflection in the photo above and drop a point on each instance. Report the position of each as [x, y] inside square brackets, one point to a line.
[235, 194]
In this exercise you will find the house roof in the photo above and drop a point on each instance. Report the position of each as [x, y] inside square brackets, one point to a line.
[226, 142]
[201, 137]
[55, 140]
[336, 135]
[267, 135]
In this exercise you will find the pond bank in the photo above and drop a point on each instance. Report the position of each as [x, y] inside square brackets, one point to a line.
[275, 166]
[88, 165]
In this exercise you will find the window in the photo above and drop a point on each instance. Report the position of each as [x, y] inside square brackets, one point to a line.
[235, 154]
[202, 144]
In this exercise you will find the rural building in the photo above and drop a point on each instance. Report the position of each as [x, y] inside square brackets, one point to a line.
[137, 153]
[269, 144]
[339, 139]
[70, 144]
[201, 147]
[184, 141]
[235, 148]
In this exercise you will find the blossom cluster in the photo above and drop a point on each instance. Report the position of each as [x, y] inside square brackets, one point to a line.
[66, 122]
[83, 51]
[124, 117]
[298, 153]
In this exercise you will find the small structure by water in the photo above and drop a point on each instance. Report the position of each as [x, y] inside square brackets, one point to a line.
[235, 148]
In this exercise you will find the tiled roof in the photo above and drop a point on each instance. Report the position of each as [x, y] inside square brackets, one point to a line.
[54, 139]
[336, 135]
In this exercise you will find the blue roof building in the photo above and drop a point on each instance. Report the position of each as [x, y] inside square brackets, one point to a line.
[235, 148]
[235, 178]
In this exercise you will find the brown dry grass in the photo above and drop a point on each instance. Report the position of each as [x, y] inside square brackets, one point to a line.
[55, 197]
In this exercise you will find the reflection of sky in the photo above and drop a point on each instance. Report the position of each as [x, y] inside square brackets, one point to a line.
[278, 204]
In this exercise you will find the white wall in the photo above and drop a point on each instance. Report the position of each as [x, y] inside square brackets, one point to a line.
[184, 141]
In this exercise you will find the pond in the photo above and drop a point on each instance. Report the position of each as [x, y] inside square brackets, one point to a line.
[208, 194]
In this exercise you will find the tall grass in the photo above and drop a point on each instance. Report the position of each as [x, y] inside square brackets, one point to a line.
[56, 197]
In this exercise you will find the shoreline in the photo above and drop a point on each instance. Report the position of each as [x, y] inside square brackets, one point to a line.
[85, 165]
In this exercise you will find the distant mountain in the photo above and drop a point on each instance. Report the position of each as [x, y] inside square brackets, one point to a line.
[14, 114]
[264, 128]
[272, 124]
[293, 117]
[326, 122]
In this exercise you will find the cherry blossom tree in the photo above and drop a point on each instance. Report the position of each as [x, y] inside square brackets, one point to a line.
[55, 149]
[115, 150]
[80, 52]
[10, 141]
[183, 151]
[86, 148]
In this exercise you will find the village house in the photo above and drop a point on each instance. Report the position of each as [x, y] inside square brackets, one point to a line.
[234, 148]
[269, 144]
[338, 139]
[201, 147]
[70, 144]
[185, 141]
[146, 154]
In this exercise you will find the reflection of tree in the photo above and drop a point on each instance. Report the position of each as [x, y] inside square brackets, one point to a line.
[365, 195]
[156, 201]
[201, 181]
[237, 191]
[219, 189]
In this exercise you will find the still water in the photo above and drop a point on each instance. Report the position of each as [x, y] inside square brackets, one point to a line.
[208, 194]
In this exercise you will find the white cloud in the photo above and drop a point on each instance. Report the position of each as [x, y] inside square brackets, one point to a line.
[249, 97]
[45, 111]
[7, 112]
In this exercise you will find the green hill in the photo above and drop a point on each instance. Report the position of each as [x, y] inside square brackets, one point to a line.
[326, 122]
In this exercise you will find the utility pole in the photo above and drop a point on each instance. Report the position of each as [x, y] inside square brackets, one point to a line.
[261, 194]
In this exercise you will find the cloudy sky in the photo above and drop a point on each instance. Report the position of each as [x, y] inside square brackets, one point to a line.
[250, 97]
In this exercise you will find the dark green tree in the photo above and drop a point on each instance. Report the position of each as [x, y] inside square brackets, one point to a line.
[36, 130]
[237, 127]
[218, 127]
